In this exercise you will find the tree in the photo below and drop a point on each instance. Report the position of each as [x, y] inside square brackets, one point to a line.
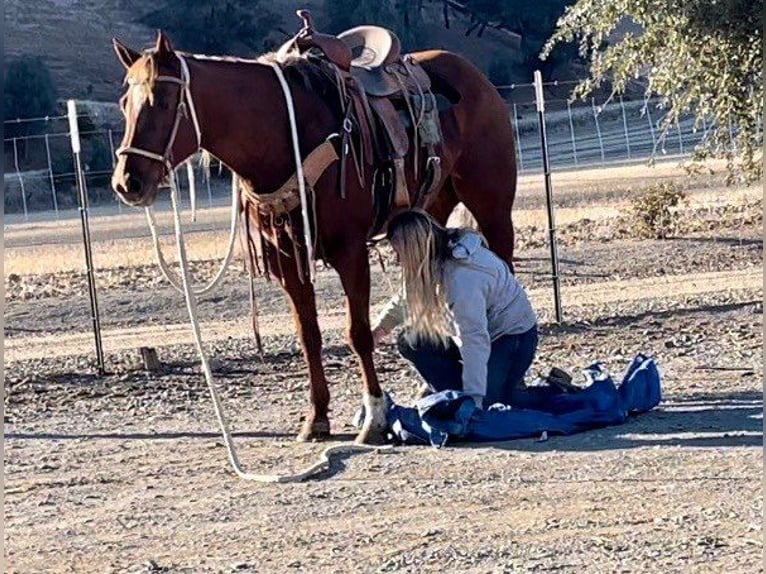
[215, 26]
[29, 89]
[401, 16]
[499, 73]
[534, 22]
[698, 56]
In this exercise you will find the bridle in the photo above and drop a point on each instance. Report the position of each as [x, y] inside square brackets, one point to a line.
[185, 109]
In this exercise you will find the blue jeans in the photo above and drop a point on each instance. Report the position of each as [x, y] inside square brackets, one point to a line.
[511, 355]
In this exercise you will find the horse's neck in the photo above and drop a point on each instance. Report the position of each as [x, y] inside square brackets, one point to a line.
[243, 119]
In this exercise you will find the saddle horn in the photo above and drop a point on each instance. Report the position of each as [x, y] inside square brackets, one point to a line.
[308, 22]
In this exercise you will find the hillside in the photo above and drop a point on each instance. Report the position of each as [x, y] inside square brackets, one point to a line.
[74, 39]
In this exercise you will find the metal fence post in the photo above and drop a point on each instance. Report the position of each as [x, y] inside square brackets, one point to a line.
[74, 134]
[21, 179]
[209, 192]
[518, 137]
[540, 99]
[50, 173]
[651, 126]
[571, 133]
[680, 137]
[625, 126]
[598, 130]
[114, 162]
[111, 147]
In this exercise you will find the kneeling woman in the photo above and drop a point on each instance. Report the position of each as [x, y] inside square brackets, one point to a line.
[470, 325]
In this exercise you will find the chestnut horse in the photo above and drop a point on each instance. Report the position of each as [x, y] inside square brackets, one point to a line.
[176, 104]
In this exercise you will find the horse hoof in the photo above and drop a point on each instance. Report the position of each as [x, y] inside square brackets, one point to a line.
[374, 428]
[314, 430]
[371, 436]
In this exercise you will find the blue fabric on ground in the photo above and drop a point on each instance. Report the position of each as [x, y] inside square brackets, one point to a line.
[453, 416]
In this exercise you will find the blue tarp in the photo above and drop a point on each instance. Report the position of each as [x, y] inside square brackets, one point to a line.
[452, 416]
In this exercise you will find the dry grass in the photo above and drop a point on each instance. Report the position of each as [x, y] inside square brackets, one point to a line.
[609, 292]
[109, 254]
[55, 246]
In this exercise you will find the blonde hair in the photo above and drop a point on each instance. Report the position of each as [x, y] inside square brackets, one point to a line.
[421, 244]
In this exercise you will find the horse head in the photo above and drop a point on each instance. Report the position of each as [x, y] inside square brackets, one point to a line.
[161, 128]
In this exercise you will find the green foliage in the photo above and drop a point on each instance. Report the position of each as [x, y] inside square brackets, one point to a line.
[339, 15]
[534, 22]
[401, 16]
[654, 210]
[699, 56]
[215, 26]
[499, 72]
[29, 89]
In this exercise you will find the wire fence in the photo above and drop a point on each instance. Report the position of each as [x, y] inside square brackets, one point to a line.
[41, 183]
[40, 180]
[41, 177]
[592, 133]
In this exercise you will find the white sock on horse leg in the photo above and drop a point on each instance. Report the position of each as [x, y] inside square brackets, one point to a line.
[374, 411]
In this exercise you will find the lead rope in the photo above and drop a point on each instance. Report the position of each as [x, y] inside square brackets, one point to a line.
[169, 274]
[298, 171]
[191, 306]
[192, 190]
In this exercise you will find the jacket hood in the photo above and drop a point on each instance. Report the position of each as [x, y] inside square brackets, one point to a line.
[466, 244]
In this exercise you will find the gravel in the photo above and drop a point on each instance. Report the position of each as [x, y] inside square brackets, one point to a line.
[127, 472]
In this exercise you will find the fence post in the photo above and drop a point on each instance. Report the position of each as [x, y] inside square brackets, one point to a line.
[571, 133]
[21, 179]
[598, 130]
[625, 126]
[209, 192]
[651, 127]
[114, 162]
[540, 99]
[518, 137]
[680, 137]
[74, 135]
[50, 173]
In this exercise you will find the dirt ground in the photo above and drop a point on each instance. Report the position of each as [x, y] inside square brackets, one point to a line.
[127, 472]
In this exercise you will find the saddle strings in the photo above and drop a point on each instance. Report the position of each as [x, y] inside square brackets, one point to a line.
[311, 264]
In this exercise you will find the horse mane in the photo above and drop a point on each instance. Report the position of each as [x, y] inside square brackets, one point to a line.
[314, 73]
[143, 71]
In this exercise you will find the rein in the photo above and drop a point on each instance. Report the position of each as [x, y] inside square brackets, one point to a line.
[191, 306]
[187, 109]
[298, 171]
[183, 283]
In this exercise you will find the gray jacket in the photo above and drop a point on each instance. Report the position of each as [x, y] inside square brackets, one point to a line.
[485, 301]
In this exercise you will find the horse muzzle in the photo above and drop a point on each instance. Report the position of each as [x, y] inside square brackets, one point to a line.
[133, 191]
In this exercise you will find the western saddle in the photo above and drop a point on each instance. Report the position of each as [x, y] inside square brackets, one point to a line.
[384, 95]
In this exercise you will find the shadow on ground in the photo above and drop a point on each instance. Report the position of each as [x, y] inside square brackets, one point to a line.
[710, 420]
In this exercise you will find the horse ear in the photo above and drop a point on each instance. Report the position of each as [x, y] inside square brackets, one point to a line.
[126, 56]
[163, 43]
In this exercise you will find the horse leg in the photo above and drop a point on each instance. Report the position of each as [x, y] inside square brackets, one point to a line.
[303, 305]
[488, 189]
[353, 267]
[444, 203]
